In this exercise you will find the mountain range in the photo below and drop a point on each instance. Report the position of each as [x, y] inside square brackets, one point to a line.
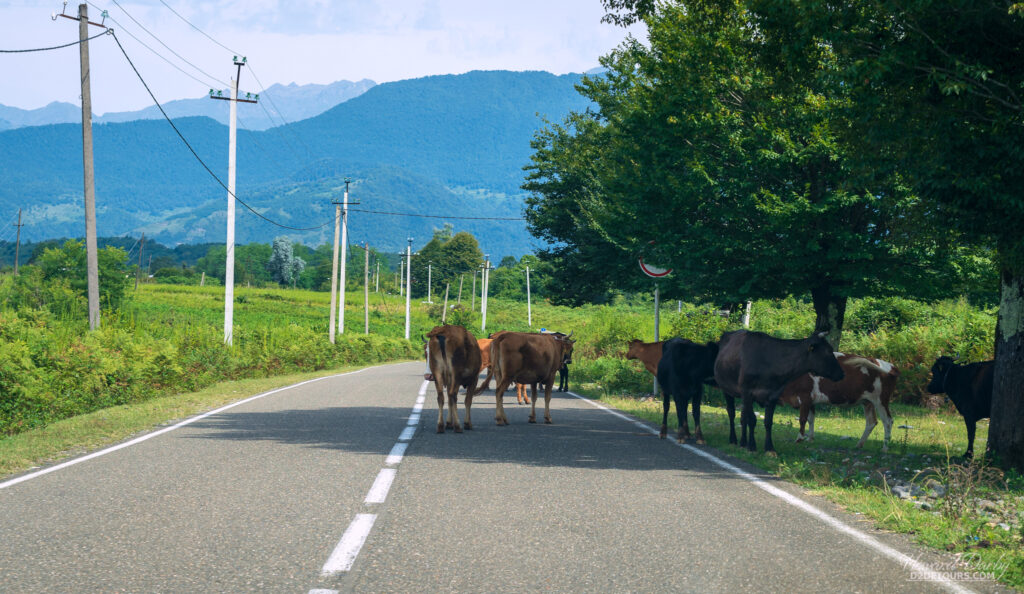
[441, 147]
[282, 104]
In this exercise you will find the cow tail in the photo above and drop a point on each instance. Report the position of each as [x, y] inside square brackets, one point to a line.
[444, 355]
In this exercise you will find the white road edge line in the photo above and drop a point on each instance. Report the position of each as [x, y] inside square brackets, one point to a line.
[379, 491]
[322, 591]
[344, 555]
[188, 421]
[891, 553]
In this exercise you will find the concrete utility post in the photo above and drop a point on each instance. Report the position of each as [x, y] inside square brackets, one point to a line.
[401, 279]
[366, 289]
[485, 277]
[138, 271]
[17, 244]
[344, 259]
[229, 265]
[430, 280]
[334, 271]
[408, 286]
[376, 279]
[91, 257]
[472, 303]
[746, 314]
[444, 310]
[529, 308]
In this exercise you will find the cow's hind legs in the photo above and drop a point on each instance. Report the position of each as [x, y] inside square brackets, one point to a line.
[499, 408]
[769, 419]
[730, 409]
[440, 404]
[682, 399]
[453, 410]
[666, 403]
[532, 403]
[469, 402]
[869, 422]
[696, 416]
[547, 401]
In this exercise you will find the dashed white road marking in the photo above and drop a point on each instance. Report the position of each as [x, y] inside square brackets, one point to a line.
[414, 419]
[147, 436]
[397, 453]
[407, 434]
[351, 543]
[905, 561]
[379, 491]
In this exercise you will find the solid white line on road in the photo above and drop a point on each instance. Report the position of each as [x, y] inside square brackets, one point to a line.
[421, 400]
[906, 561]
[323, 591]
[397, 453]
[143, 438]
[407, 434]
[414, 419]
[379, 491]
[418, 408]
[351, 543]
[423, 388]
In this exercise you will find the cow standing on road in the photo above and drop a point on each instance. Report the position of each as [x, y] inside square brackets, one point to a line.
[519, 357]
[970, 389]
[485, 364]
[868, 381]
[753, 366]
[683, 369]
[454, 359]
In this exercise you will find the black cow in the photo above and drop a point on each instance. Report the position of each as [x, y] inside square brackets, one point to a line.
[563, 376]
[970, 389]
[682, 370]
[753, 366]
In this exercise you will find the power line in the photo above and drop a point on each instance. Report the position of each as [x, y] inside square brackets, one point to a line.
[406, 214]
[179, 56]
[198, 29]
[196, 155]
[56, 47]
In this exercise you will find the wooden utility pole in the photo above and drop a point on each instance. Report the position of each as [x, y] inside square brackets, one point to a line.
[17, 244]
[366, 290]
[91, 258]
[334, 271]
[138, 271]
[229, 266]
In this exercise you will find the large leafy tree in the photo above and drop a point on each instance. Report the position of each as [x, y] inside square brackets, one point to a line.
[69, 262]
[450, 256]
[938, 95]
[706, 152]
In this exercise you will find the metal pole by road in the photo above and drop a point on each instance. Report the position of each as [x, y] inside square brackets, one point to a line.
[485, 277]
[430, 280]
[472, 304]
[408, 286]
[657, 328]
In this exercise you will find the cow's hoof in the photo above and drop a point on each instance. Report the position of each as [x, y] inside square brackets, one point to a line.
[663, 432]
[458, 429]
[447, 425]
[440, 428]
[533, 419]
[771, 454]
[701, 442]
[548, 422]
[468, 426]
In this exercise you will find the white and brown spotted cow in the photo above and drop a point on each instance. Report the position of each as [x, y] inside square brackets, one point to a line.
[867, 381]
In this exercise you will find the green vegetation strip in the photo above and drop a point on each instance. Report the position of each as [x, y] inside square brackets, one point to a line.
[981, 516]
[84, 433]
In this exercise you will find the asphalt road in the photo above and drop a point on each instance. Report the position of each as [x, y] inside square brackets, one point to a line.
[342, 485]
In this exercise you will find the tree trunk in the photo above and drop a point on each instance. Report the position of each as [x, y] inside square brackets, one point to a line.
[830, 311]
[1006, 430]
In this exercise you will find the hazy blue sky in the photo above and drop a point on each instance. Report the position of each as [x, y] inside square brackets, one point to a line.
[302, 41]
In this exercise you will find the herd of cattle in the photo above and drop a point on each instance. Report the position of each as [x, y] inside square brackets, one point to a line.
[749, 366]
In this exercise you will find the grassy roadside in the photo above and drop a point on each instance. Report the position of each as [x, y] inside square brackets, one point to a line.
[980, 518]
[84, 433]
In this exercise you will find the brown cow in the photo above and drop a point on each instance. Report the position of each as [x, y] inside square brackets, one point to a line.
[485, 363]
[868, 381]
[454, 359]
[528, 359]
[649, 353]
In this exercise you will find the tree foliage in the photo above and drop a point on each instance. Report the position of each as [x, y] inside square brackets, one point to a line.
[69, 262]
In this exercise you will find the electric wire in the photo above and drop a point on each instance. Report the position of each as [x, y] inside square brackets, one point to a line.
[179, 56]
[196, 155]
[56, 47]
[198, 29]
[406, 214]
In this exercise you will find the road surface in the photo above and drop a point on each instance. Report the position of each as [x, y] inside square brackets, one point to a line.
[342, 485]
